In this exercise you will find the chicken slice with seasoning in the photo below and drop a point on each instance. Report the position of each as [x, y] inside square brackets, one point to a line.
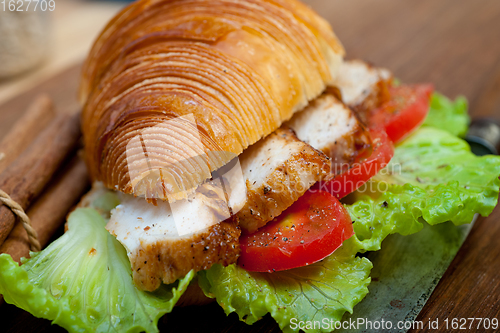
[278, 170]
[329, 126]
[167, 240]
[362, 86]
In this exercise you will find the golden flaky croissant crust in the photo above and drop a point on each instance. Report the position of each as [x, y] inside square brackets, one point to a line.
[189, 84]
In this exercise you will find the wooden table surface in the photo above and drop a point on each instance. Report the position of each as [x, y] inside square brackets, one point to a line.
[453, 43]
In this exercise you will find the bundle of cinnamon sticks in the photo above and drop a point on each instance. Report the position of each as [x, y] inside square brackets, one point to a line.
[41, 171]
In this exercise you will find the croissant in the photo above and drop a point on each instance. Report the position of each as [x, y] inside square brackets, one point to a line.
[191, 83]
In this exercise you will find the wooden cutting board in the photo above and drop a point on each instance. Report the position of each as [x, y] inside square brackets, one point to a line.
[453, 43]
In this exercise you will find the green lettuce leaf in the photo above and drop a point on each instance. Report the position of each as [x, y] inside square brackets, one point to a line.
[457, 183]
[324, 290]
[83, 282]
[448, 115]
[393, 211]
[433, 177]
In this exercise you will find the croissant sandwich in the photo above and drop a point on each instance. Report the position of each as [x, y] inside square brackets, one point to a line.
[231, 145]
[199, 82]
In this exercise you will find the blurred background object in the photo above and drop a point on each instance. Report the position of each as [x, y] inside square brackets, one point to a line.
[484, 136]
[35, 46]
[24, 40]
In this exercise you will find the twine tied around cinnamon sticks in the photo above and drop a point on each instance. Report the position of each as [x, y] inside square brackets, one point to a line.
[25, 220]
[35, 149]
[16, 208]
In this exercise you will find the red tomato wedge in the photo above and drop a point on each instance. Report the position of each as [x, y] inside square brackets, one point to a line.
[359, 173]
[404, 112]
[307, 232]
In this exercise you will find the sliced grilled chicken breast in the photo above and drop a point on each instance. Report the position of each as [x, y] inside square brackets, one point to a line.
[329, 126]
[363, 87]
[166, 241]
[278, 170]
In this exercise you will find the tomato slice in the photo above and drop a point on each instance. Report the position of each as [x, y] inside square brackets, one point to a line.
[404, 112]
[317, 224]
[361, 172]
[308, 231]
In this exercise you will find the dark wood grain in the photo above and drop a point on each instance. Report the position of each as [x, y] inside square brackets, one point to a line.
[470, 288]
[453, 43]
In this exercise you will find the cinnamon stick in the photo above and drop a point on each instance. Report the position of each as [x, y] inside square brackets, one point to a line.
[26, 129]
[49, 211]
[24, 179]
